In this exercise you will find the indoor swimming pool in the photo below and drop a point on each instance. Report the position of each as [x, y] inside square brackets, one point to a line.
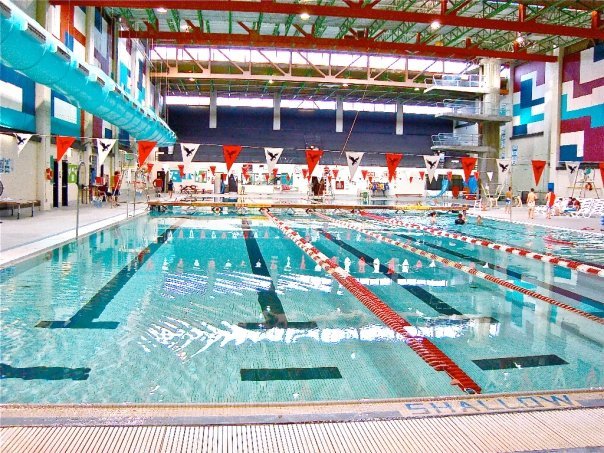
[205, 308]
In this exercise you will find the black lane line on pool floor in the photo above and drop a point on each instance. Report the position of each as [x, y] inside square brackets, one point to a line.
[48, 373]
[429, 299]
[85, 316]
[511, 273]
[531, 361]
[272, 309]
[290, 374]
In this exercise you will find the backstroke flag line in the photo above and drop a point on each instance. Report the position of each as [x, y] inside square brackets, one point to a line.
[144, 149]
[392, 161]
[468, 164]
[431, 164]
[504, 168]
[538, 167]
[353, 159]
[22, 140]
[188, 151]
[104, 147]
[312, 159]
[230, 154]
[272, 157]
[63, 144]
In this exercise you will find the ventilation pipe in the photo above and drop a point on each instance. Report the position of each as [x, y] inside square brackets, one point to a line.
[28, 48]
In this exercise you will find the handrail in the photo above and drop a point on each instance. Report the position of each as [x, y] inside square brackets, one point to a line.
[462, 106]
[450, 139]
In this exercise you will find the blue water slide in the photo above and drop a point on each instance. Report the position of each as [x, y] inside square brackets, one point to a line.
[28, 48]
[443, 189]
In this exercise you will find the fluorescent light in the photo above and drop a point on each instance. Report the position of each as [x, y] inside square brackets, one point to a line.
[191, 79]
[435, 25]
[304, 16]
[520, 39]
[271, 81]
[161, 10]
[345, 85]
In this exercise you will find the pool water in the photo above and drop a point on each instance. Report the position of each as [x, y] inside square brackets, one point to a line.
[220, 309]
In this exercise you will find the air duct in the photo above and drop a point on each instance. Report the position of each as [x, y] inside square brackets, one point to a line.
[28, 48]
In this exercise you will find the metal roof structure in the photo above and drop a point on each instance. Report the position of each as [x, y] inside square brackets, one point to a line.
[464, 30]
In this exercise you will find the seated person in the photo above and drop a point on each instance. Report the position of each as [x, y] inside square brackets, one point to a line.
[576, 204]
[460, 220]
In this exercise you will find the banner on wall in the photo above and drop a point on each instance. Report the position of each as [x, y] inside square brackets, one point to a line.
[538, 167]
[272, 157]
[392, 161]
[104, 146]
[313, 156]
[63, 144]
[504, 168]
[572, 169]
[231, 152]
[22, 140]
[144, 149]
[353, 159]
[188, 151]
[431, 165]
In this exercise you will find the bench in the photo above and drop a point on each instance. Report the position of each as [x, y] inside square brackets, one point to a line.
[18, 204]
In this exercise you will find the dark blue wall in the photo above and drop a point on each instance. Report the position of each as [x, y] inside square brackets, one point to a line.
[252, 128]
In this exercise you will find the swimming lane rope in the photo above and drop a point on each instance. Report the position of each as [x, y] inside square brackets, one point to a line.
[558, 261]
[422, 346]
[463, 268]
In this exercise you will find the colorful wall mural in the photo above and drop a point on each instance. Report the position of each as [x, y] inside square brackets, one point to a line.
[528, 99]
[582, 106]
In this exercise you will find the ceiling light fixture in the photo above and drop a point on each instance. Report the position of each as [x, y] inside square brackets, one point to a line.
[520, 39]
[345, 85]
[304, 16]
[271, 81]
[191, 79]
[435, 25]
[161, 10]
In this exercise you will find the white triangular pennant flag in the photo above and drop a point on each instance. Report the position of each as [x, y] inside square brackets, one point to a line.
[22, 140]
[573, 171]
[272, 157]
[104, 146]
[504, 167]
[188, 151]
[431, 164]
[490, 175]
[353, 159]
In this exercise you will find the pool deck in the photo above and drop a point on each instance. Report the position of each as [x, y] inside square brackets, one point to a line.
[511, 422]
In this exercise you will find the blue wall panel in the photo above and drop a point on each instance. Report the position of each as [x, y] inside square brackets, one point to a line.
[373, 133]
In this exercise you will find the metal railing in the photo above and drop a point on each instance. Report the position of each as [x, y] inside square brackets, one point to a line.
[457, 80]
[448, 139]
[465, 107]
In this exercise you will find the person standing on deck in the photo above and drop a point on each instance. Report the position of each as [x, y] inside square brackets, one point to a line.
[508, 200]
[531, 200]
[550, 199]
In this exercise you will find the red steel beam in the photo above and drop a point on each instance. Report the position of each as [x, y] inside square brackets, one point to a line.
[356, 12]
[308, 42]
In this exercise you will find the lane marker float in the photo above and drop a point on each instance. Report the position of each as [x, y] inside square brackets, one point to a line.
[551, 259]
[467, 269]
[422, 346]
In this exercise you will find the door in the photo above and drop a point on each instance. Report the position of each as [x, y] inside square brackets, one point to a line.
[64, 183]
[55, 185]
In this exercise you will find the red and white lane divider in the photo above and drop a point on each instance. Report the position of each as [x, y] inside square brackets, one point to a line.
[467, 269]
[546, 258]
[422, 346]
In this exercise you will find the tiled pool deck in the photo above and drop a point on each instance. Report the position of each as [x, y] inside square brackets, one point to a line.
[512, 422]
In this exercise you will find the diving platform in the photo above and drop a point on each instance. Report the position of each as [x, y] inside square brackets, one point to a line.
[474, 111]
[461, 143]
[457, 84]
[463, 149]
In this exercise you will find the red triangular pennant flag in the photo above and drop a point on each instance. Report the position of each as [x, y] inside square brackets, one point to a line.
[477, 175]
[468, 164]
[181, 170]
[144, 149]
[538, 167]
[312, 159]
[421, 175]
[63, 144]
[275, 171]
[410, 179]
[305, 173]
[392, 161]
[149, 168]
[449, 175]
[230, 154]
[364, 173]
[335, 172]
[601, 165]
[213, 169]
